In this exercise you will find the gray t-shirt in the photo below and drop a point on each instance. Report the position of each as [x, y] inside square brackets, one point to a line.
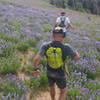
[66, 51]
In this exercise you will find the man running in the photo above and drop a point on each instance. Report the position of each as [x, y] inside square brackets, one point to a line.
[56, 53]
[63, 22]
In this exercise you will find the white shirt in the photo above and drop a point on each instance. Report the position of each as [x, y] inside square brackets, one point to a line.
[67, 21]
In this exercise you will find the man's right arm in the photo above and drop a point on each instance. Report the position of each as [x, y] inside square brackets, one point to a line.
[57, 22]
[37, 60]
[77, 57]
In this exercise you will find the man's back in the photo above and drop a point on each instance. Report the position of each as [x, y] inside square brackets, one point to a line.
[65, 50]
[62, 21]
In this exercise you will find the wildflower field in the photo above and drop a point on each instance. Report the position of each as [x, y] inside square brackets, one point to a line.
[24, 26]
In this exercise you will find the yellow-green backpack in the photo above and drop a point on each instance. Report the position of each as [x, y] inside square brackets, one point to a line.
[54, 57]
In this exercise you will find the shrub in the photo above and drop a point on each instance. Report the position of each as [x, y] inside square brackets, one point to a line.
[45, 29]
[7, 51]
[43, 61]
[32, 43]
[9, 65]
[98, 57]
[12, 39]
[23, 47]
[12, 89]
[90, 75]
[34, 83]
[28, 69]
[43, 80]
[74, 94]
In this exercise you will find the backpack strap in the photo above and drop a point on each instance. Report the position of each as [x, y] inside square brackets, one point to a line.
[62, 19]
[62, 23]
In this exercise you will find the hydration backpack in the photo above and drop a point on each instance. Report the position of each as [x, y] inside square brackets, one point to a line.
[54, 57]
[62, 23]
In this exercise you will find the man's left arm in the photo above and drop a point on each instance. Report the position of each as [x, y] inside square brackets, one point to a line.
[71, 53]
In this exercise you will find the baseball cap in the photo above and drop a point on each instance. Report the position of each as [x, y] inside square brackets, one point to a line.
[58, 30]
[63, 13]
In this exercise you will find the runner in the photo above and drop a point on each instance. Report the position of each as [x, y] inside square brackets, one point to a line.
[63, 22]
[56, 53]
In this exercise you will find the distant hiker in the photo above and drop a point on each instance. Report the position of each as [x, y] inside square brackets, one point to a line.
[63, 22]
[56, 53]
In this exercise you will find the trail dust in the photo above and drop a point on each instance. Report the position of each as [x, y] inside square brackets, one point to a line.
[46, 95]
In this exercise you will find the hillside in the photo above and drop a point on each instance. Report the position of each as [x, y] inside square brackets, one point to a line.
[24, 26]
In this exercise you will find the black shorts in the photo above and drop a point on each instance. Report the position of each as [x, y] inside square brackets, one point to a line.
[61, 83]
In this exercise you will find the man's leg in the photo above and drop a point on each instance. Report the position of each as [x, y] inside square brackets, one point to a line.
[52, 92]
[61, 83]
[63, 94]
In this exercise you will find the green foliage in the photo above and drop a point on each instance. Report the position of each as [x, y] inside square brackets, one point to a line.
[7, 51]
[98, 39]
[34, 83]
[32, 43]
[97, 86]
[66, 40]
[98, 49]
[74, 93]
[98, 57]
[90, 86]
[80, 5]
[28, 69]
[43, 61]
[43, 80]
[1, 15]
[90, 75]
[98, 72]
[36, 51]
[8, 38]
[9, 65]
[23, 47]
[46, 29]
[12, 87]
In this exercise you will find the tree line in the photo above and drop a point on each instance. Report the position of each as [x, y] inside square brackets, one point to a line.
[90, 6]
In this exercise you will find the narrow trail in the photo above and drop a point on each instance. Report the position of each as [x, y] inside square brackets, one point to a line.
[23, 76]
[46, 95]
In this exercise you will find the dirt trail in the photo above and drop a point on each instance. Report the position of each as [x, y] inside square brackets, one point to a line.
[46, 95]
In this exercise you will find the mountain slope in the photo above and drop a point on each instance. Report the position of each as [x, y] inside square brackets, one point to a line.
[28, 23]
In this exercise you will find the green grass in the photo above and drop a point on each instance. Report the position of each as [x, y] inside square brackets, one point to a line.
[32, 43]
[46, 29]
[90, 75]
[43, 80]
[98, 73]
[98, 57]
[4, 37]
[9, 65]
[28, 69]
[23, 47]
[7, 52]
[1, 15]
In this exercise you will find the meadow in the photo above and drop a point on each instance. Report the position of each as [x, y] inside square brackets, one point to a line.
[24, 26]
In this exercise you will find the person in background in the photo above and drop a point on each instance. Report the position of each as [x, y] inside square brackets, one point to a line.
[63, 22]
[56, 52]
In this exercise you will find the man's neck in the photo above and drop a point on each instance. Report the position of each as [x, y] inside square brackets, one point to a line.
[59, 41]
